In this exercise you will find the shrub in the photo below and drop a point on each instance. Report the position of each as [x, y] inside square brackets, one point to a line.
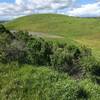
[82, 93]
[39, 51]
[90, 64]
[21, 47]
[67, 58]
[2, 28]
[92, 89]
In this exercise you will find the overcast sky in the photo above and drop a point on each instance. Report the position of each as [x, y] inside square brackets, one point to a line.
[10, 9]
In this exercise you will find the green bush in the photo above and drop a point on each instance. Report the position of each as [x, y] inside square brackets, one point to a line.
[68, 57]
[90, 64]
[2, 28]
[39, 51]
[22, 47]
[92, 89]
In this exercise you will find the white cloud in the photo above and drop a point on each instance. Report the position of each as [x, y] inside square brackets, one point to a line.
[88, 10]
[9, 11]
[25, 7]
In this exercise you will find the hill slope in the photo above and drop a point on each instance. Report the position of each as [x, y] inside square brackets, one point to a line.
[82, 30]
[54, 23]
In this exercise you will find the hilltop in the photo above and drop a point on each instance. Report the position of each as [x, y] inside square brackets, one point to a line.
[55, 23]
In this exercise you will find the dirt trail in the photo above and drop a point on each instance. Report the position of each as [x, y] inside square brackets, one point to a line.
[40, 34]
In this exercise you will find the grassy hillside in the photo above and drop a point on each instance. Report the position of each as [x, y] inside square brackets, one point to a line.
[82, 30]
[53, 23]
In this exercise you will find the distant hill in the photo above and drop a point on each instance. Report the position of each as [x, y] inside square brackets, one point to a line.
[54, 23]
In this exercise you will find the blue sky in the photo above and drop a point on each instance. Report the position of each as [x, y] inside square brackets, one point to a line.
[10, 9]
[7, 0]
[78, 1]
[86, 1]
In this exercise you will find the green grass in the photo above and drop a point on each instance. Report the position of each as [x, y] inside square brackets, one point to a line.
[53, 23]
[42, 83]
[85, 31]
[35, 83]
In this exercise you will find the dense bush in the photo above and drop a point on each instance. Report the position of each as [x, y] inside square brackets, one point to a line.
[68, 58]
[93, 90]
[2, 28]
[91, 68]
[39, 51]
[22, 47]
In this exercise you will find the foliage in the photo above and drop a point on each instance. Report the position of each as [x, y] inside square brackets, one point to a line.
[2, 28]
[30, 82]
[68, 59]
[91, 88]
[22, 47]
[85, 31]
[25, 82]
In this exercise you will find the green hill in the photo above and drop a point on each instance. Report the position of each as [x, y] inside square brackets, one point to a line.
[53, 23]
[82, 30]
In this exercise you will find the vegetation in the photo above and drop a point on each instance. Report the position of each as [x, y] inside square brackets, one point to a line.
[3, 22]
[58, 24]
[85, 31]
[34, 68]
[26, 49]
[41, 83]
